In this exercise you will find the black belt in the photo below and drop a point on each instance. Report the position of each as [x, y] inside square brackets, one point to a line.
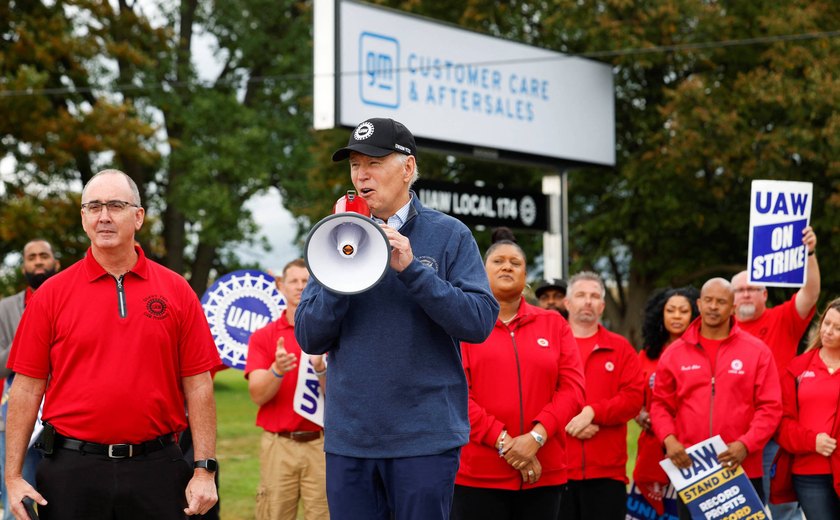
[114, 451]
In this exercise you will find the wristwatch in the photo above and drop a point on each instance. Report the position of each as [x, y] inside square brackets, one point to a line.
[537, 437]
[210, 465]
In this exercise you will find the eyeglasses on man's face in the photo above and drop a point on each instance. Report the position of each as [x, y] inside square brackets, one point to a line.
[744, 290]
[94, 207]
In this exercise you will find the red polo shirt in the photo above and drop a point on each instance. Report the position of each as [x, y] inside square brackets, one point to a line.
[114, 370]
[781, 328]
[277, 415]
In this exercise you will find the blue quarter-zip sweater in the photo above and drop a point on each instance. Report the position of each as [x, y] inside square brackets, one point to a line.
[395, 383]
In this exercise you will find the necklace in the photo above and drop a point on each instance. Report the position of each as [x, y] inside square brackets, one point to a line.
[832, 365]
[509, 319]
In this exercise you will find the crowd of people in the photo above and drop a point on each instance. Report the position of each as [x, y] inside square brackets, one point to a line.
[448, 394]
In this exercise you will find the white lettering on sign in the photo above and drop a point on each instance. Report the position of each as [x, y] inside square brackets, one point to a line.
[778, 263]
[245, 319]
[474, 205]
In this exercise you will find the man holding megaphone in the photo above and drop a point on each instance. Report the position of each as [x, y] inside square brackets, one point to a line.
[396, 410]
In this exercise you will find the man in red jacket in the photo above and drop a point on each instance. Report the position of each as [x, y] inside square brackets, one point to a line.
[717, 379]
[596, 443]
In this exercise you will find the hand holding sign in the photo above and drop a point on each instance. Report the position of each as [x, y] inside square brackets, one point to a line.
[675, 451]
[283, 361]
[734, 454]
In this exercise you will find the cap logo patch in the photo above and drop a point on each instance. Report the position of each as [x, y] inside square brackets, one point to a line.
[363, 131]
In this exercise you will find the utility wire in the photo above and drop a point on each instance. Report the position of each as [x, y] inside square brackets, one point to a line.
[658, 49]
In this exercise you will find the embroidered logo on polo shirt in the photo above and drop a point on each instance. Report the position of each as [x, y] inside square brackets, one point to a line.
[157, 308]
[609, 366]
[805, 375]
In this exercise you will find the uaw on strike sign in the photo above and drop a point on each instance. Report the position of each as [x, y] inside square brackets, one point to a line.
[779, 211]
[711, 491]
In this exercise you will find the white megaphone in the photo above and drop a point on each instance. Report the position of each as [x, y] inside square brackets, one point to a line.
[347, 252]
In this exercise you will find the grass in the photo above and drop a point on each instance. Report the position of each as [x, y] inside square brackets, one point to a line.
[238, 446]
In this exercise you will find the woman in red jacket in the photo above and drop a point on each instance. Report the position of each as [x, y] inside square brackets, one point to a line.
[525, 383]
[810, 423]
[668, 314]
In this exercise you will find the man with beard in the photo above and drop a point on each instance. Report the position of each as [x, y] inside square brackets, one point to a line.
[781, 328]
[39, 263]
[551, 294]
[596, 441]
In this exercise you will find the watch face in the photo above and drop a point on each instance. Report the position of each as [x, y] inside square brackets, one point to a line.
[209, 464]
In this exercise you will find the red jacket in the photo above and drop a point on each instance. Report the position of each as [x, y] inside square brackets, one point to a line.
[792, 436]
[740, 401]
[614, 390]
[524, 373]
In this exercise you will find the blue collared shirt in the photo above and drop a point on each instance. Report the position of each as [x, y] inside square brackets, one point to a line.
[397, 220]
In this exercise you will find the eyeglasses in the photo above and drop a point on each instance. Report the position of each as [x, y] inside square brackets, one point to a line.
[114, 206]
[743, 290]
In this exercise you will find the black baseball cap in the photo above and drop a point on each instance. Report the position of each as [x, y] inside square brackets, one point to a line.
[550, 283]
[378, 137]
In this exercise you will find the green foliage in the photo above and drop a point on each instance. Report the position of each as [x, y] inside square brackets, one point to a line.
[695, 123]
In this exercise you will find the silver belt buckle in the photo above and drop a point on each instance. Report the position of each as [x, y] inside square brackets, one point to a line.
[113, 456]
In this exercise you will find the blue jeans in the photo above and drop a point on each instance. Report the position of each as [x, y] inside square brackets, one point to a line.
[817, 496]
[33, 457]
[788, 510]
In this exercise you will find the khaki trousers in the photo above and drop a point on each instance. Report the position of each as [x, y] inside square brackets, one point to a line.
[290, 472]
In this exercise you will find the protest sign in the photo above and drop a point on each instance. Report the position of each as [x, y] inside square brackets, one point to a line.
[640, 508]
[779, 211]
[710, 491]
[309, 399]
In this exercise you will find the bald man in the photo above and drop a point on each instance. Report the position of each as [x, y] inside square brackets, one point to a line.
[717, 380]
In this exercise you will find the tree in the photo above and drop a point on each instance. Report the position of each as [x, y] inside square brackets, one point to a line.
[92, 84]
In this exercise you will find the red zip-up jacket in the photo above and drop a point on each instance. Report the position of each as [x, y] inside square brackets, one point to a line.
[524, 373]
[615, 391]
[794, 437]
[741, 401]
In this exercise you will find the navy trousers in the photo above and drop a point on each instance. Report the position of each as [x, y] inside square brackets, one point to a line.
[410, 488]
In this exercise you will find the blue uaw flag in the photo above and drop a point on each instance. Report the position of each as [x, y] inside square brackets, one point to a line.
[779, 211]
[236, 305]
[710, 491]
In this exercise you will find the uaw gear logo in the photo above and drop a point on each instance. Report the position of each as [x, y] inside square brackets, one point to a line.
[528, 210]
[235, 306]
[156, 307]
[379, 61]
[736, 367]
[363, 131]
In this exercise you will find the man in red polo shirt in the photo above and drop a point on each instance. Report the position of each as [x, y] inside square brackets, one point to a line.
[596, 442]
[292, 462]
[781, 328]
[115, 344]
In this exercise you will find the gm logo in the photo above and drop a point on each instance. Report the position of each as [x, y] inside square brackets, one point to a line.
[379, 58]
